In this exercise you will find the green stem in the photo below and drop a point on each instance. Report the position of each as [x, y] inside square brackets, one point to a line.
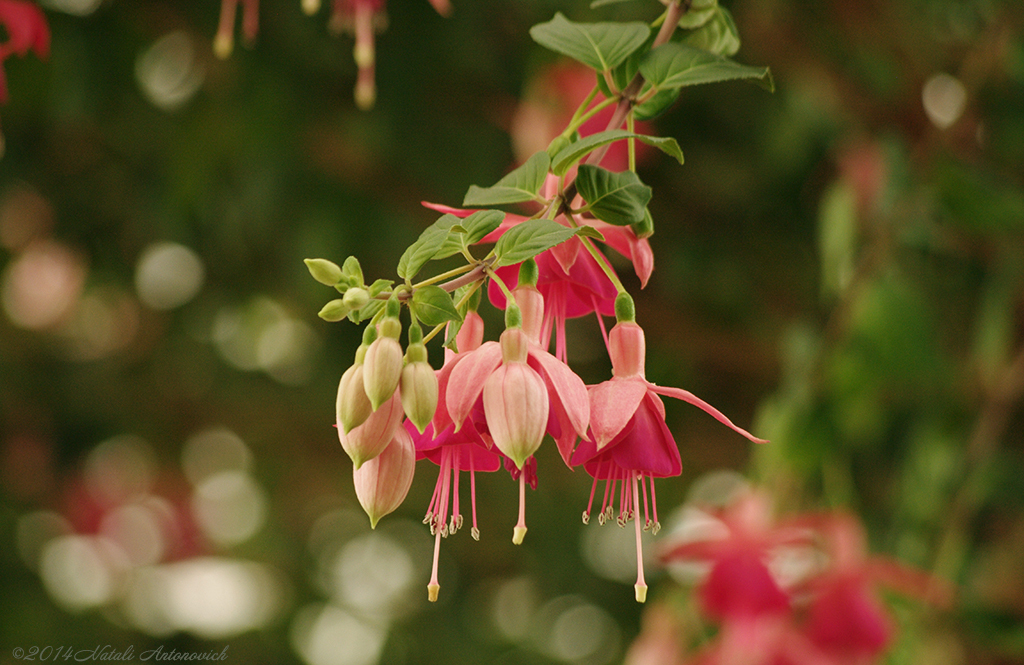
[601, 259]
[578, 122]
[454, 272]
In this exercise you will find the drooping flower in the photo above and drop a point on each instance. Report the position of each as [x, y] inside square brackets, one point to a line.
[224, 41]
[521, 385]
[26, 29]
[368, 440]
[469, 449]
[630, 444]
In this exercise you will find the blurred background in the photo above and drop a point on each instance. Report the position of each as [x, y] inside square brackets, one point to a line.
[839, 267]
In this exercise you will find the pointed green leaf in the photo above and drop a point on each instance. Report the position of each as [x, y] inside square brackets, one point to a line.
[617, 198]
[522, 184]
[660, 102]
[379, 286]
[367, 311]
[480, 223]
[426, 246]
[433, 306]
[528, 239]
[719, 35]
[675, 65]
[564, 160]
[699, 13]
[590, 232]
[599, 46]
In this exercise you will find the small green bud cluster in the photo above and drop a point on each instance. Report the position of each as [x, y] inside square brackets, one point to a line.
[347, 279]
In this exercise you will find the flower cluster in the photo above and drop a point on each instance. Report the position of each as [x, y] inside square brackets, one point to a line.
[26, 30]
[361, 18]
[802, 590]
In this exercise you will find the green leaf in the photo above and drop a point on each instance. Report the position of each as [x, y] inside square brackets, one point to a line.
[590, 232]
[719, 35]
[528, 239]
[433, 306]
[660, 102]
[699, 13]
[426, 246]
[367, 311]
[599, 46]
[480, 223]
[379, 286]
[617, 198]
[675, 65]
[522, 184]
[564, 160]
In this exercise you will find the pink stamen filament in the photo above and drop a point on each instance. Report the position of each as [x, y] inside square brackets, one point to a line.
[600, 322]
[475, 531]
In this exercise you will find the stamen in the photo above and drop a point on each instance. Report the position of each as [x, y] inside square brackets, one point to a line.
[590, 502]
[519, 532]
[643, 491]
[641, 584]
[433, 587]
[456, 515]
[475, 532]
[600, 322]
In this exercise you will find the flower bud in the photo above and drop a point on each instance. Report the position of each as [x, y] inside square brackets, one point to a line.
[383, 482]
[356, 297]
[516, 406]
[627, 349]
[471, 334]
[336, 310]
[366, 441]
[419, 393]
[353, 406]
[382, 368]
[324, 271]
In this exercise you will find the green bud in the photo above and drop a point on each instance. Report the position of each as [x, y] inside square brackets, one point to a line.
[324, 271]
[625, 310]
[353, 406]
[382, 368]
[419, 390]
[390, 327]
[336, 310]
[369, 334]
[415, 335]
[356, 298]
[392, 308]
[528, 272]
[353, 271]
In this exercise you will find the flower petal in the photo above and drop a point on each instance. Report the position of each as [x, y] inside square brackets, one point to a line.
[612, 404]
[689, 397]
[466, 380]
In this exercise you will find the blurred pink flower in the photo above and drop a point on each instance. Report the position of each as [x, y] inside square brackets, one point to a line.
[26, 29]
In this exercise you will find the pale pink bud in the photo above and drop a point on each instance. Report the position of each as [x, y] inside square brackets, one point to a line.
[382, 370]
[515, 403]
[419, 393]
[627, 349]
[367, 441]
[383, 483]
[353, 406]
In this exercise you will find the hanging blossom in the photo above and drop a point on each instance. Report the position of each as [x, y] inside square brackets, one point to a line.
[526, 393]
[828, 614]
[571, 280]
[468, 450]
[27, 30]
[629, 444]
[224, 41]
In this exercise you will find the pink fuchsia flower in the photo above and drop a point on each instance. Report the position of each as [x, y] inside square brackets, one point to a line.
[26, 29]
[630, 444]
[383, 482]
[846, 619]
[369, 439]
[469, 449]
[224, 41]
[520, 384]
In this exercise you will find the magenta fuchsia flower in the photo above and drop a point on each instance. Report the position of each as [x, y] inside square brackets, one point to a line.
[630, 445]
[26, 29]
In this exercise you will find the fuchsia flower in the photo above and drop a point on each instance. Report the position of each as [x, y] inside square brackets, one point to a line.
[526, 392]
[630, 442]
[469, 449]
[26, 29]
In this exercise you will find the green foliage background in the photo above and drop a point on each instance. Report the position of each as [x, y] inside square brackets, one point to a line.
[831, 268]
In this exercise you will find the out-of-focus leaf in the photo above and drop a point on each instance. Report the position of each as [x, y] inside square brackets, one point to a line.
[599, 46]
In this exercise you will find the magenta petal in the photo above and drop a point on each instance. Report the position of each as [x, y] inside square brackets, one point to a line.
[649, 446]
[467, 378]
[740, 585]
[612, 404]
[689, 397]
[847, 619]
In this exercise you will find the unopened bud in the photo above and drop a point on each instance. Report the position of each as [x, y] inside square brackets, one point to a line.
[516, 405]
[382, 483]
[531, 304]
[336, 310]
[382, 369]
[419, 393]
[367, 441]
[556, 146]
[324, 271]
[627, 349]
[528, 273]
[625, 309]
[645, 227]
[356, 298]
[353, 406]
